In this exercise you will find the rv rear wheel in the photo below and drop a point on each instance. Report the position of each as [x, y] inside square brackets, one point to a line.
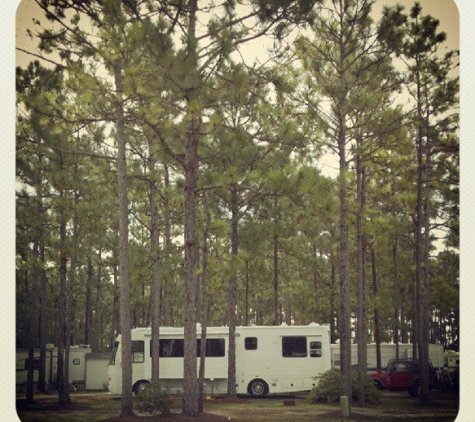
[258, 388]
[139, 387]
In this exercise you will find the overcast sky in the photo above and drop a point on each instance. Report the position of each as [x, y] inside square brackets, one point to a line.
[444, 10]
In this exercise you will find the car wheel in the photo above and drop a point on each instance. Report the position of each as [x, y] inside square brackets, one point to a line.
[258, 388]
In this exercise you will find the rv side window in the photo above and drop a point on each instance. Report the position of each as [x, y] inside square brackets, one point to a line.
[215, 347]
[294, 347]
[36, 364]
[250, 343]
[172, 348]
[138, 351]
[316, 349]
[114, 353]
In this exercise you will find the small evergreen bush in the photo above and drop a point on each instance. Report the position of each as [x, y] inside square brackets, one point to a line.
[328, 388]
[154, 398]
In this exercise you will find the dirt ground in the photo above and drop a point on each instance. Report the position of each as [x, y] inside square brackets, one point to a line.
[101, 407]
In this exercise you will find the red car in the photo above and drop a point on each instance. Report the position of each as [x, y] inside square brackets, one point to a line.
[403, 374]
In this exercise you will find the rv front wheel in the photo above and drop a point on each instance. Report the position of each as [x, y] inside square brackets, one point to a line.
[139, 387]
[258, 388]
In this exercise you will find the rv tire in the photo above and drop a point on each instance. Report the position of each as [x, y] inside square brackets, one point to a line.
[139, 386]
[258, 388]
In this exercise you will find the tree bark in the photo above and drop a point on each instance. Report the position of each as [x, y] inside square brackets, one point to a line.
[204, 303]
[190, 384]
[232, 299]
[125, 321]
[377, 335]
[156, 287]
[362, 330]
[345, 306]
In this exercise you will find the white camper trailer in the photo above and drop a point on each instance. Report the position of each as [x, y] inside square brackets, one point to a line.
[77, 366]
[269, 359]
[388, 351]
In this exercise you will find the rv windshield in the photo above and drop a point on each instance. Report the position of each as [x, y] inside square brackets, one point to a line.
[113, 354]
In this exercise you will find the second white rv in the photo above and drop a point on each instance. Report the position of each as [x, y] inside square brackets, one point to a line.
[388, 351]
[269, 359]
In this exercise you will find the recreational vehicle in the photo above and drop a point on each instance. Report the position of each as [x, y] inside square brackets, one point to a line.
[388, 351]
[77, 366]
[269, 359]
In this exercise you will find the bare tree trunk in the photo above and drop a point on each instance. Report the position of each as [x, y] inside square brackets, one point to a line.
[115, 306]
[204, 304]
[32, 328]
[396, 302]
[377, 335]
[315, 282]
[125, 322]
[345, 305]
[232, 294]
[362, 331]
[156, 287]
[424, 298]
[246, 299]
[166, 290]
[88, 308]
[43, 298]
[333, 328]
[63, 396]
[97, 306]
[190, 382]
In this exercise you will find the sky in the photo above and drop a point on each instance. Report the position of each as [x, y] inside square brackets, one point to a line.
[457, 19]
[444, 10]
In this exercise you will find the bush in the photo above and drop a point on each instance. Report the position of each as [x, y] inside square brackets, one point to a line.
[328, 388]
[154, 398]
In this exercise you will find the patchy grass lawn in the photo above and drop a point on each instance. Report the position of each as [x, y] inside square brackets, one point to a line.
[394, 407]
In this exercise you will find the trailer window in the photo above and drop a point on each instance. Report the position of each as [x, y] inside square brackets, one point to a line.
[172, 348]
[114, 353]
[315, 349]
[36, 364]
[250, 343]
[138, 351]
[294, 347]
[215, 347]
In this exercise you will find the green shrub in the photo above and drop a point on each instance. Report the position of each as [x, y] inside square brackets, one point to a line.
[154, 398]
[328, 388]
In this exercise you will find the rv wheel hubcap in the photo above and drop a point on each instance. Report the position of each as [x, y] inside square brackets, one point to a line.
[257, 388]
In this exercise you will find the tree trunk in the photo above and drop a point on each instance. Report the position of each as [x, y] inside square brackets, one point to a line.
[362, 330]
[190, 384]
[232, 299]
[396, 338]
[246, 299]
[156, 287]
[204, 304]
[43, 298]
[276, 267]
[88, 299]
[377, 335]
[125, 321]
[63, 396]
[345, 306]
[166, 317]
[32, 328]
[333, 327]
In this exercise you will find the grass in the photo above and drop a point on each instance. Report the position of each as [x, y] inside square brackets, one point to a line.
[394, 407]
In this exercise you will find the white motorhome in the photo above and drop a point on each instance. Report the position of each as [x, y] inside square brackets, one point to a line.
[269, 359]
[388, 351]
